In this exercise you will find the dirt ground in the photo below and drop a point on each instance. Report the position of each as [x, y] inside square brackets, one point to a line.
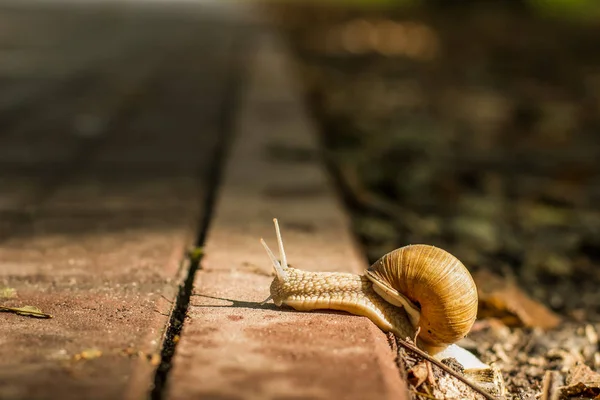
[474, 130]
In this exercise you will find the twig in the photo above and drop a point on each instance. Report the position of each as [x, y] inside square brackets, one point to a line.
[430, 377]
[551, 385]
[446, 369]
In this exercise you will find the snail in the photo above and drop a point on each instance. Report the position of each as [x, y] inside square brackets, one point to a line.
[418, 289]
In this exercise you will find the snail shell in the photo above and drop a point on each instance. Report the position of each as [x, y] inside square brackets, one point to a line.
[436, 290]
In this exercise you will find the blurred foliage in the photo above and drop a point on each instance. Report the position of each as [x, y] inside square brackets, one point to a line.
[360, 3]
[579, 10]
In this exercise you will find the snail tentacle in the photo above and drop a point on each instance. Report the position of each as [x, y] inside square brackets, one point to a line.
[279, 271]
[280, 244]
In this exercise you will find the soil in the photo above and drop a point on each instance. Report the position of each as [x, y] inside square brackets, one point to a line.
[475, 130]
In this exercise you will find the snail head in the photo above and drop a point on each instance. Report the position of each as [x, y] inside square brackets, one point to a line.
[279, 266]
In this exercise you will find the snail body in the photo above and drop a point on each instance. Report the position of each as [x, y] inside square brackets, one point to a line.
[414, 289]
[306, 291]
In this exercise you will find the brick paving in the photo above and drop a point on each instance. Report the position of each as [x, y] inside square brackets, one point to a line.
[102, 175]
[232, 346]
[108, 137]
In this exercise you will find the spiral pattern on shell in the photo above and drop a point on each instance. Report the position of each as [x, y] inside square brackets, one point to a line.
[438, 284]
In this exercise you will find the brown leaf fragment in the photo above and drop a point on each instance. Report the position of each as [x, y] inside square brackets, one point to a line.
[581, 390]
[582, 381]
[583, 373]
[418, 374]
[502, 299]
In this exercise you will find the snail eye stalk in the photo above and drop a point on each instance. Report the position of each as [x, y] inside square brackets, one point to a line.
[280, 244]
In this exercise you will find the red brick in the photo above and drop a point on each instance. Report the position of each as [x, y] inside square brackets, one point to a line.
[232, 347]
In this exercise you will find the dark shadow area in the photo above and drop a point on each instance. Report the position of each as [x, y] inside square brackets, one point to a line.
[109, 113]
[258, 305]
[237, 303]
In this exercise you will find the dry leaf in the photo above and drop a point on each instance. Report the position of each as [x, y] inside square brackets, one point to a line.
[27, 311]
[418, 374]
[582, 381]
[502, 299]
[581, 391]
[583, 373]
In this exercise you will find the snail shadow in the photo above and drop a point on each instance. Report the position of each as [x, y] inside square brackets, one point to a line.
[255, 305]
